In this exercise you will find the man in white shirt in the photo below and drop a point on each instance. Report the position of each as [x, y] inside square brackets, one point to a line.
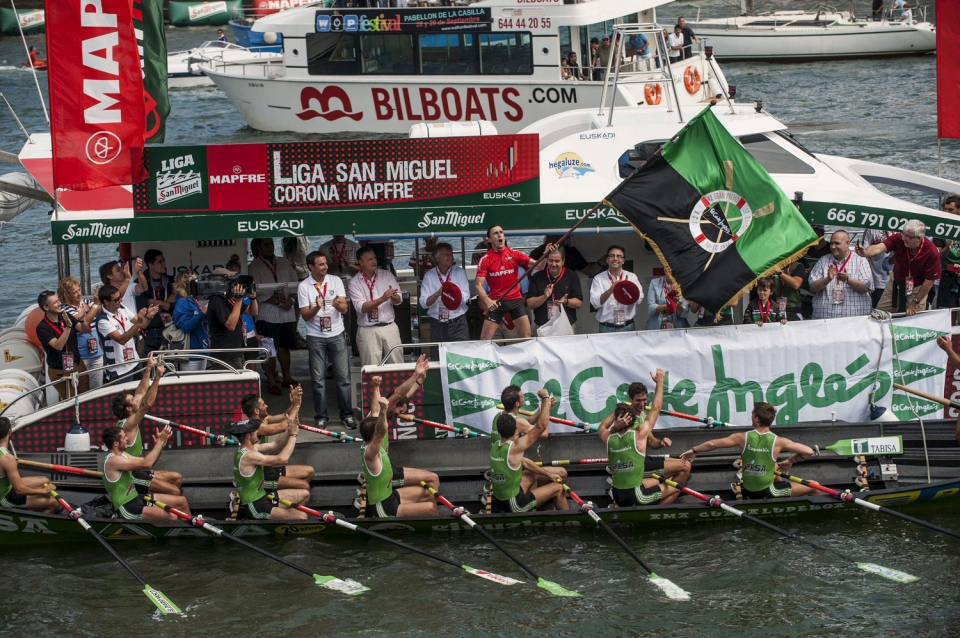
[374, 292]
[323, 303]
[119, 329]
[129, 285]
[841, 282]
[341, 256]
[444, 293]
[675, 44]
[612, 315]
[277, 318]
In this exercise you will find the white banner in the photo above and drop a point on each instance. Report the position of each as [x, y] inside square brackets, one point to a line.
[809, 371]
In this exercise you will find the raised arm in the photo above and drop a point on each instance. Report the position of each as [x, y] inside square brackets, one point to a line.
[546, 402]
[134, 463]
[734, 440]
[372, 454]
[947, 346]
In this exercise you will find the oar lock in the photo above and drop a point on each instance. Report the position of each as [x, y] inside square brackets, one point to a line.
[464, 433]
[459, 511]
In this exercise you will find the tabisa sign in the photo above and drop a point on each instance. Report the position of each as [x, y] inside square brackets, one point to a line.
[809, 371]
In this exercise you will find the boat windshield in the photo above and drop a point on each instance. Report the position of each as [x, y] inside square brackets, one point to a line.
[420, 54]
[774, 158]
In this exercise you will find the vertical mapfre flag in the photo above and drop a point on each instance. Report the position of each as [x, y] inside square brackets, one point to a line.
[948, 69]
[96, 94]
[148, 26]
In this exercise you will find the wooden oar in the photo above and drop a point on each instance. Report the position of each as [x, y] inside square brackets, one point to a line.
[573, 462]
[330, 517]
[586, 427]
[672, 590]
[714, 501]
[926, 395]
[343, 436]
[347, 586]
[709, 421]
[461, 513]
[461, 432]
[850, 498]
[63, 469]
[155, 595]
[219, 439]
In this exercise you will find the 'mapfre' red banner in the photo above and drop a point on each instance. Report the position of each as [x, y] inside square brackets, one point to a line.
[948, 69]
[96, 94]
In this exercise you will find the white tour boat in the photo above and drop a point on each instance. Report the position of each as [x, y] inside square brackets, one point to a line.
[186, 68]
[381, 70]
[821, 34]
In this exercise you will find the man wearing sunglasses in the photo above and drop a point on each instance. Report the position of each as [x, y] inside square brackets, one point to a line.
[120, 329]
[916, 266]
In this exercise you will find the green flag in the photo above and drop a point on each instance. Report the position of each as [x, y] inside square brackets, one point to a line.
[713, 215]
[148, 24]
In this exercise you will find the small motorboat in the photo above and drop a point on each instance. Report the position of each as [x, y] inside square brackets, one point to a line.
[185, 68]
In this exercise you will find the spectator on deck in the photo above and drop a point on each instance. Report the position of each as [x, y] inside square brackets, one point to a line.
[675, 44]
[220, 36]
[277, 318]
[948, 294]
[119, 330]
[248, 317]
[159, 293]
[689, 37]
[841, 281]
[573, 261]
[189, 316]
[876, 11]
[573, 64]
[374, 292]
[57, 331]
[421, 260]
[224, 323]
[554, 288]
[666, 309]
[603, 56]
[341, 257]
[594, 59]
[916, 266]
[129, 285]
[437, 296]
[612, 315]
[295, 251]
[480, 250]
[764, 309]
[88, 340]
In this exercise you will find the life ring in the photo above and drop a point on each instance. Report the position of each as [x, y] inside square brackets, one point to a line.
[691, 79]
[652, 93]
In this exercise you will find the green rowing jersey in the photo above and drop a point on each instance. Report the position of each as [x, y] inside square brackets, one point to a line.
[506, 480]
[757, 462]
[626, 463]
[5, 485]
[135, 447]
[250, 488]
[379, 487]
[121, 491]
[494, 434]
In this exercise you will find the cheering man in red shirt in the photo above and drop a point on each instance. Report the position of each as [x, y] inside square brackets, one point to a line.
[916, 266]
[498, 269]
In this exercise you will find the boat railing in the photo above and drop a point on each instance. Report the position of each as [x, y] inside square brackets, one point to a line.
[257, 68]
[164, 356]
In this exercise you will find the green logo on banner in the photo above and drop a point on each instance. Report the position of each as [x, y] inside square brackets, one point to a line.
[901, 407]
[460, 367]
[909, 337]
[178, 177]
[914, 372]
[466, 403]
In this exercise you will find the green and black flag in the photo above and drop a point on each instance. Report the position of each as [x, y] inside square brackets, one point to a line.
[713, 215]
[148, 26]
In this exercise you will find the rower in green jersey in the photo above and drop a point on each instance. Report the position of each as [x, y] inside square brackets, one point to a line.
[626, 436]
[512, 400]
[759, 450]
[513, 488]
[397, 404]
[130, 408]
[671, 467]
[382, 498]
[30, 492]
[118, 468]
[249, 463]
[284, 477]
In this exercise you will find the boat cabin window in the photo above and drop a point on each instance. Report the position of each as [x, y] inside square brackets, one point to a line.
[773, 157]
[634, 157]
[448, 54]
[332, 54]
[387, 53]
[506, 53]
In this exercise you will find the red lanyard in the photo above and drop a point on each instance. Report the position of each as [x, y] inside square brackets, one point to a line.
[440, 277]
[841, 267]
[338, 256]
[553, 282]
[273, 270]
[665, 291]
[323, 293]
[765, 314]
[909, 258]
[59, 328]
[158, 291]
[371, 283]
[612, 281]
[119, 319]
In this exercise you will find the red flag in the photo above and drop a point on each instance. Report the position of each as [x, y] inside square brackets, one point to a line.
[96, 94]
[948, 69]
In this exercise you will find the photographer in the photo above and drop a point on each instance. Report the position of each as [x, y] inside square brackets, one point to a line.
[57, 331]
[223, 319]
[190, 318]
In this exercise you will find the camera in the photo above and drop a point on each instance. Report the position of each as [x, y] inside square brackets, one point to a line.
[222, 285]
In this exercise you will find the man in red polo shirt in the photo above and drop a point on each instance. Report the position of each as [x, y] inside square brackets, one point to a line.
[916, 267]
[498, 269]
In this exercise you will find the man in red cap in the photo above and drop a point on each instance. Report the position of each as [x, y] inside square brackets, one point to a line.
[444, 293]
[615, 294]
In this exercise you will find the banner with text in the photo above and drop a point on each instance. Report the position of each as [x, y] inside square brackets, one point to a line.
[301, 176]
[809, 371]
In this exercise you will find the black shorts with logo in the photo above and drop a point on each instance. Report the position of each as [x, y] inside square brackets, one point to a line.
[522, 502]
[386, 508]
[638, 496]
[142, 480]
[514, 306]
[780, 489]
[12, 499]
[271, 476]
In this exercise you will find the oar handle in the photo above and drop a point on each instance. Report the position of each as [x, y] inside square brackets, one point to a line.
[562, 462]
[715, 501]
[832, 492]
[438, 496]
[926, 395]
[462, 432]
[586, 427]
[343, 436]
[64, 469]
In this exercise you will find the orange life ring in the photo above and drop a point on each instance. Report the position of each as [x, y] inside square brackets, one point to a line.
[652, 93]
[691, 79]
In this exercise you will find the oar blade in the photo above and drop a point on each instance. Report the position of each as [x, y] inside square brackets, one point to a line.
[348, 586]
[556, 589]
[892, 574]
[668, 587]
[497, 578]
[163, 603]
